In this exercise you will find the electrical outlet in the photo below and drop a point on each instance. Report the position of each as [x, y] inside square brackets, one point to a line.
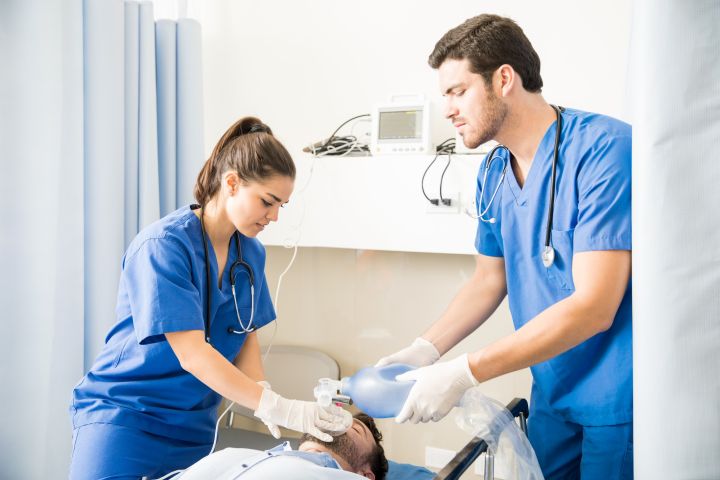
[454, 206]
[437, 457]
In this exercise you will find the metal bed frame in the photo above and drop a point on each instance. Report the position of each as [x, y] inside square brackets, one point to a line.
[462, 460]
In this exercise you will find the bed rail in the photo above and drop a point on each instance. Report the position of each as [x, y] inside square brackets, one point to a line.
[462, 460]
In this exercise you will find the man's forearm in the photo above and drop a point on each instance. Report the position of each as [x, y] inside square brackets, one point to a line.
[473, 304]
[556, 330]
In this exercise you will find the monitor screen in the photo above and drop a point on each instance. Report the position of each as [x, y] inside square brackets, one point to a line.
[400, 125]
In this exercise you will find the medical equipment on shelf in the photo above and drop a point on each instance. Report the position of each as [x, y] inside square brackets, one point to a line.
[548, 253]
[401, 126]
[373, 390]
[245, 268]
[344, 145]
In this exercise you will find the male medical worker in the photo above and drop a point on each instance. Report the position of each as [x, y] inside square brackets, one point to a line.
[562, 256]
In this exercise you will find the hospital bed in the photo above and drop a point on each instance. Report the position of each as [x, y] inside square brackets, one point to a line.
[462, 460]
[307, 366]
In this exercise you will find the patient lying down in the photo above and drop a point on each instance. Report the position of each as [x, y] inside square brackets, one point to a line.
[352, 455]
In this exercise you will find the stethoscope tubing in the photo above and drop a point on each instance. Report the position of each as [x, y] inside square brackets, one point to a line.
[548, 253]
[247, 269]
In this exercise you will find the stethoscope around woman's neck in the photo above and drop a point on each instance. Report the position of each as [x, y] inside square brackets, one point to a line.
[548, 252]
[238, 263]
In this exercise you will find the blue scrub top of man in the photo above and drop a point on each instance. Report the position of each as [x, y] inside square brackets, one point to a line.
[590, 384]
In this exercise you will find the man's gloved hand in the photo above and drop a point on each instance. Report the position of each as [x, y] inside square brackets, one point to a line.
[437, 389]
[301, 416]
[420, 353]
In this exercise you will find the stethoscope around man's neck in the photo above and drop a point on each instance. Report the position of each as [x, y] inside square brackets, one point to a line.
[548, 252]
[238, 263]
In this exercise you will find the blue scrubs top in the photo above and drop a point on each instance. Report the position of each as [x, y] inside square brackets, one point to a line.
[137, 380]
[591, 384]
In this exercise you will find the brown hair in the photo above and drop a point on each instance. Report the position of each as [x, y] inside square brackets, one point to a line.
[377, 461]
[489, 41]
[343, 447]
[249, 148]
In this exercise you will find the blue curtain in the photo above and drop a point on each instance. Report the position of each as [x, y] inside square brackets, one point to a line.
[143, 103]
[100, 135]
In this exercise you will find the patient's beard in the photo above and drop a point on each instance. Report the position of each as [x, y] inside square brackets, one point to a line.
[342, 446]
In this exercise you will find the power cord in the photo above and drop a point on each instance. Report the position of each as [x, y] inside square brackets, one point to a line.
[340, 146]
[294, 246]
[445, 148]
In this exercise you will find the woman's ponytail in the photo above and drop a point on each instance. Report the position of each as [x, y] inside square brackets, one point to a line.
[249, 148]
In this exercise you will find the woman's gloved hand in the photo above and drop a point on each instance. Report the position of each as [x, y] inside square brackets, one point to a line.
[302, 416]
[420, 353]
[438, 388]
[244, 411]
[274, 429]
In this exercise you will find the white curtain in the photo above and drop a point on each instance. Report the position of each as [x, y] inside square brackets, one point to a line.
[41, 244]
[676, 238]
[92, 149]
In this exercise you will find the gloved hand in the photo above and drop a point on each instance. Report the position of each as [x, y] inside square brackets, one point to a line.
[274, 429]
[420, 353]
[306, 417]
[437, 389]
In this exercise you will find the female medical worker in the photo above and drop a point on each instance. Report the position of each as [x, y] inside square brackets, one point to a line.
[554, 235]
[149, 404]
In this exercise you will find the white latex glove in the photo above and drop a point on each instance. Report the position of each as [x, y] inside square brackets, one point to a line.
[438, 388]
[301, 416]
[420, 353]
[274, 429]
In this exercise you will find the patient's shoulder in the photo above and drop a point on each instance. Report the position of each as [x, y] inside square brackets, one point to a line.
[219, 463]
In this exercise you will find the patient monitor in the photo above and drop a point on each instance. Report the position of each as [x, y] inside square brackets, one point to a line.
[401, 126]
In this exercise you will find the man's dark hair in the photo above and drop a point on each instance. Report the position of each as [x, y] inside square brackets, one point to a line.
[348, 450]
[377, 460]
[489, 41]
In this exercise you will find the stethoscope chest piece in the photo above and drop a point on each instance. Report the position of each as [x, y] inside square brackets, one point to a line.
[548, 256]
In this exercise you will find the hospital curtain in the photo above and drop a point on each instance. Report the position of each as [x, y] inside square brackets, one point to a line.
[676, 238]
[100, 134]
[144, 98]
[41, 240]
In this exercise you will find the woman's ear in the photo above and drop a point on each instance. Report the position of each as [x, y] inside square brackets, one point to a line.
[231, 182]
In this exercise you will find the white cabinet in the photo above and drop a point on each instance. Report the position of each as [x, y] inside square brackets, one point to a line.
[375, 203]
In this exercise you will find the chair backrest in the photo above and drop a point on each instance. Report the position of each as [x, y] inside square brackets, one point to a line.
[293, 371]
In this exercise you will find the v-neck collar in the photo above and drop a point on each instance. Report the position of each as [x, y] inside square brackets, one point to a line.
[212, 257]
[547, 144]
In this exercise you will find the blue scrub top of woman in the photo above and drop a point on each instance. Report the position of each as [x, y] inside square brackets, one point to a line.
[137, 380]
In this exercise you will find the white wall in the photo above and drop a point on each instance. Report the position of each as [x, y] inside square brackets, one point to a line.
[306, 66]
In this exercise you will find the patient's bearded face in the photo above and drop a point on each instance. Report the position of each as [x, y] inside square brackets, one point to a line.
[355, 446]
[343, 446]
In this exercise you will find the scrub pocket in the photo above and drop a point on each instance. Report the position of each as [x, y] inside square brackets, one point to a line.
[560, 272]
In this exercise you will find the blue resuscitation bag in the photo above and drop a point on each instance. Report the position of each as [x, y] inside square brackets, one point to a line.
[375, 391]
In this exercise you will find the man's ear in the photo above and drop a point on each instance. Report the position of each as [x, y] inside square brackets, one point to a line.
[366, 472]
[505, 79]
